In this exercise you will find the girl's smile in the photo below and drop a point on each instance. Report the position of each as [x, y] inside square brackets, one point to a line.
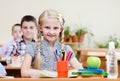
[51, 28]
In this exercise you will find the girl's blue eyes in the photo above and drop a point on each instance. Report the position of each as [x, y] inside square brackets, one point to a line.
[56, 28]
[47, 27]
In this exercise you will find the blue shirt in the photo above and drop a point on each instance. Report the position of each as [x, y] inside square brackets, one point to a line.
[2, 69]
[48, 60]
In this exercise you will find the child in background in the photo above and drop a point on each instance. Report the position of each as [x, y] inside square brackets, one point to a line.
[2, 70]
[28, 28]
[15, 45]
[17, 34]
[41, 53]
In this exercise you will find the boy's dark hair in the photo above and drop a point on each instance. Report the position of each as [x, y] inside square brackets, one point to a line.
[28, 18]
[17, 24]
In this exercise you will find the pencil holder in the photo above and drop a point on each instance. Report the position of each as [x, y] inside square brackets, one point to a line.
[62, 69]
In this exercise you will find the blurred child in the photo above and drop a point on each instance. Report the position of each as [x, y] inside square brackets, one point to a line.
[17, 34]
[15, 44]
[2, 70]
[28, 28]
[41, 53]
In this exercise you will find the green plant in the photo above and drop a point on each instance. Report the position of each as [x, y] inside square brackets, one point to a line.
[67, 34]
[116, 40]
[67, 31]
[113, 38]
[102, 45]
[81, 33]
[83, 30]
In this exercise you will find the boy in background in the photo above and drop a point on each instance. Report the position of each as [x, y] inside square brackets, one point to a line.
[17, 35]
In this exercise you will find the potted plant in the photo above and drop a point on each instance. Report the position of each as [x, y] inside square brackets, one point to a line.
[74, 37]
[81, 33]
[113, 38]
[66, 34]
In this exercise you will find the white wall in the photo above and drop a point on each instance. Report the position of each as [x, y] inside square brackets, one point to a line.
[101, 16]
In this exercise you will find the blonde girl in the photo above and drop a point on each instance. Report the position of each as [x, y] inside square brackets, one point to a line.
[41, 54]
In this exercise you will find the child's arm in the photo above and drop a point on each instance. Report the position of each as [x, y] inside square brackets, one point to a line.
[27, 71]
[75, 63]
[73, 60]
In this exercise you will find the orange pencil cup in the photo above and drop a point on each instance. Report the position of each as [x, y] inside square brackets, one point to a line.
[62, 69]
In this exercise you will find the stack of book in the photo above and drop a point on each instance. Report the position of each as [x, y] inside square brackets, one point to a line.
[90, 73]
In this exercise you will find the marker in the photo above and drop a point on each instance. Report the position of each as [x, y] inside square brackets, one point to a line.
[64, 56]
[60, 53]
[69, 55]
[56, 55]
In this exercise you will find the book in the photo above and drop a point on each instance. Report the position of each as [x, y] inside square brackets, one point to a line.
[53, 74]
[95, 71]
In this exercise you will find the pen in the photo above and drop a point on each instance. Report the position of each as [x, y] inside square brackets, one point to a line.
[69, 55]
[64, 56]
[56, 55]
[61, 53]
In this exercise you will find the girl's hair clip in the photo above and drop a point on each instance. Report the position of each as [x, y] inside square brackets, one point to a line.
[59, 17]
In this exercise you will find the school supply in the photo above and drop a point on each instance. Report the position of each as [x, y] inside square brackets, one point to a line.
[96, 71]
[62, 69]
[61, 55]
[62, 62]
[90, 72]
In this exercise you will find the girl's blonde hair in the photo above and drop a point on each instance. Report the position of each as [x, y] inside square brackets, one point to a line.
[36, 63]
[47, 14]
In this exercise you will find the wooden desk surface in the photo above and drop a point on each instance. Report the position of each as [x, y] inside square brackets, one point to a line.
[95, 52]
[13, 71]
[1, 60]
[95, 49]
[84, 53]
[12, 67]
[9, 67]
[59, 79]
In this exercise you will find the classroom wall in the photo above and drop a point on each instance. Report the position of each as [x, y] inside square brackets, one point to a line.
[100, 16]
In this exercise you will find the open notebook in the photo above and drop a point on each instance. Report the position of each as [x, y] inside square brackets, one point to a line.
[53, 74]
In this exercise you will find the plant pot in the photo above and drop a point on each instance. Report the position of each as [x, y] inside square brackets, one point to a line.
[81, 38]
[66, 38]
[74, 38]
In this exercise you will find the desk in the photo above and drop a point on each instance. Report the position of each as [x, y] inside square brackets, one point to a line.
[12, 68]
[13, 71]
[59, 79]
[3, 62]
[84, 53]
